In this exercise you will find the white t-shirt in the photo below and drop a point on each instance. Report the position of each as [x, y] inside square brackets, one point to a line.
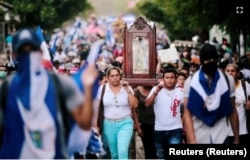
[115, 106]
[246, 73]
[220, 130]
[167, 107]
[240, 99]
[60, 57]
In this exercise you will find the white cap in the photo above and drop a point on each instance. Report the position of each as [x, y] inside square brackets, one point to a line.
[72, 53]
[76, 60]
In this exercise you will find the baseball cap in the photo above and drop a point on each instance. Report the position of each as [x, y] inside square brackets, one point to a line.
[76, 60]
[25, 36]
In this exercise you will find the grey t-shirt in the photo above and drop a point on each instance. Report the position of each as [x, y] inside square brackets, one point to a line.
[73, 95]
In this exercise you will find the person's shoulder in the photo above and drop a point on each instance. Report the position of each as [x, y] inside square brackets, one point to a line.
[179, 90]
[64, 80]
[101, 86]
[188, 80]
[137, 90]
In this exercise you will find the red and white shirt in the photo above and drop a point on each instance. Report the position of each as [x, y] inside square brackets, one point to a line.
[167, 109]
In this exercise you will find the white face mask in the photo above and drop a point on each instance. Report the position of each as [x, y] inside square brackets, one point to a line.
[29, 62]
[31, 76]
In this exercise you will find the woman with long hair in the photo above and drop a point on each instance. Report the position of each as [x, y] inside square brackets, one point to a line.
[242, 103]
[118, 99]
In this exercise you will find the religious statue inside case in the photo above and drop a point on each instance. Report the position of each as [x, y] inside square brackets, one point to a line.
[140, 53]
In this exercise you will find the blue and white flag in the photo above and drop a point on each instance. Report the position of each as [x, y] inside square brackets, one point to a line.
[110, 39]
[53, 48]
[31, 101]
[80, 143]
[91, 59]
[209, 103]
[43, 45]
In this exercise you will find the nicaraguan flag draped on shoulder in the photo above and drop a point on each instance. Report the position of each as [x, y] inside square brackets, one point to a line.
[31, 125]
[79, 139]
[209, 103]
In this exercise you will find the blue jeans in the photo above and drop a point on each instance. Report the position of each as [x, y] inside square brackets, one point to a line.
[118, 136]
[163, 138]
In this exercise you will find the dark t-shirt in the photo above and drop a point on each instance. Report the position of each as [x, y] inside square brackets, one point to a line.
[146, 115]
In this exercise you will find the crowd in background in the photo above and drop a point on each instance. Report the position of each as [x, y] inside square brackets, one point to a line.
[69, 49]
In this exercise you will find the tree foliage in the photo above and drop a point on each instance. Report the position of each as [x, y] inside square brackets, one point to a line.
[47, 13]
[181, 16]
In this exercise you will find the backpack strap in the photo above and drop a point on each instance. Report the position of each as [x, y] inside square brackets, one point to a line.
[226, 77]
[101, 110]
[61, 106]
[3, 101]
[4, 93]
[103, 91]
[243, 83]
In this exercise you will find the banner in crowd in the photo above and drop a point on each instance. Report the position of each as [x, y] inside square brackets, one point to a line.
[168, 55]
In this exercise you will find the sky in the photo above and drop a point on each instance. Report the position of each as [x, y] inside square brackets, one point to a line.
[111, 7]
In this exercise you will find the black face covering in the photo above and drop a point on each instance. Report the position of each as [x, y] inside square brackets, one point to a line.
[210, 68]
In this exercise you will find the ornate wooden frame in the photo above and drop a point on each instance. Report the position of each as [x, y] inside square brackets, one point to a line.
[140, 28]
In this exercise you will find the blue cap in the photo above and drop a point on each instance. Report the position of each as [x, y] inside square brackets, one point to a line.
[25, 36]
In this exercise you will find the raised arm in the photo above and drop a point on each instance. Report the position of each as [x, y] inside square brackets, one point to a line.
[84, 113]
[153, 94]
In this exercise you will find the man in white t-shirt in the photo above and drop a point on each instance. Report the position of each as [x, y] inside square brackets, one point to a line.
[208, 101]
[166, 99]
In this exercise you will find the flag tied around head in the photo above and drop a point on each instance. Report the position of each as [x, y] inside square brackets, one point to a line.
[93, 55]
[43, 44]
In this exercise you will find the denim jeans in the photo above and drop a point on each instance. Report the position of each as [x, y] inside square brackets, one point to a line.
[163, 138]
[118, 136]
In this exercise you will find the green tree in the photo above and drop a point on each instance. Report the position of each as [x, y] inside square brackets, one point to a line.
[199, 15]
[161, 12]
[47, 13]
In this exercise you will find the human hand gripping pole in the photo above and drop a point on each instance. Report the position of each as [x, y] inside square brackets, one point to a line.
[133, 102]
[158, 88]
